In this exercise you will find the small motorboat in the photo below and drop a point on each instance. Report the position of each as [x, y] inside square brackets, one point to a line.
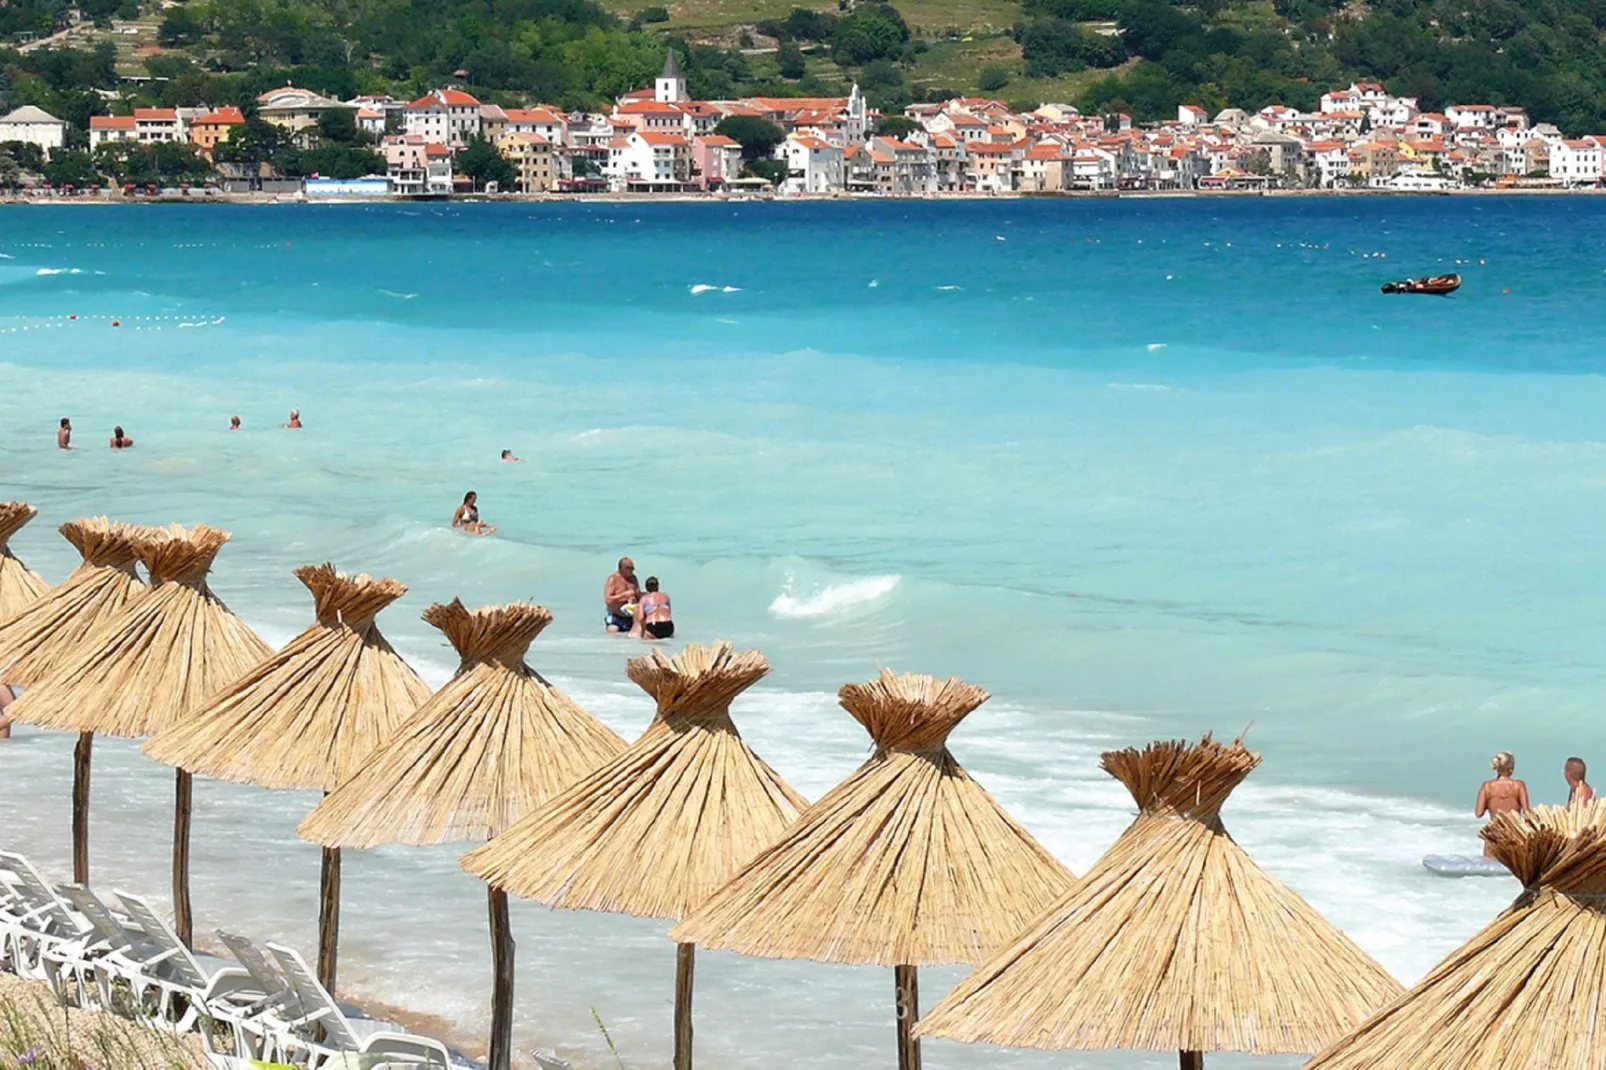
[1437, 284]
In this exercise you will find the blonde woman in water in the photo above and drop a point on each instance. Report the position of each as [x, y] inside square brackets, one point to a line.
[1504, 794]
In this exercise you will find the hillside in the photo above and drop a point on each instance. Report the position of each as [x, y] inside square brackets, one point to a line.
[1140, 56]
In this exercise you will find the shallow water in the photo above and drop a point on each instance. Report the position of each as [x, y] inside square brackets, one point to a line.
[1139, 469]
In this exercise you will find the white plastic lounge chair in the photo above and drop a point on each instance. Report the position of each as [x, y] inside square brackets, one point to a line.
[207, 985]
[45, 940]
[265, 1026]
[344, 1035]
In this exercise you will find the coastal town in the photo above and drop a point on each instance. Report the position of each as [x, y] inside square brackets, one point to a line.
[657, 140]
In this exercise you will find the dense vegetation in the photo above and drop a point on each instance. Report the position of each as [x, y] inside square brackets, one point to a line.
[1547, 55]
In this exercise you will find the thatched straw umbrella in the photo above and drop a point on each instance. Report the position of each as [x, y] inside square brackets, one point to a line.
[153, 664]
[1174, 941]
[38, 641]
[1528, 990]
[662, 824]
[906, 863]
[19, 585]
[492, 745]
[307, 718]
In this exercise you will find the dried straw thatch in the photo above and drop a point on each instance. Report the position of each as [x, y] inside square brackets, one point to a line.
[160, 657]
[1175, 940]
[1528, 990]
[20, 586]
[308, 717]
[665, 822]
[492, 745]
[40, 639]
[907, 862]
[148, 666]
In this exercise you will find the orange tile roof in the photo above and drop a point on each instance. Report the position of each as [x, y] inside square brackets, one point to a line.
[228, 116]
[156, 114]
[656, 138]
[111, 122]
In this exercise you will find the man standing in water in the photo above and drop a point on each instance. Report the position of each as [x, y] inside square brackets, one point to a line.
[1579, 793]
[64, 434]
[620, 591]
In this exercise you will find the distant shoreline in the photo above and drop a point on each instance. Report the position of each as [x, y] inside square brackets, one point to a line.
[715, 198]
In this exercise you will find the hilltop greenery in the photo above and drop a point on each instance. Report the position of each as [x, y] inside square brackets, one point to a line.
[1140, 56]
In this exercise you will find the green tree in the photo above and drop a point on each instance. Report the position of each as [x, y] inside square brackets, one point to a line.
[896, 126]
[870, 32]
[72, 168]
[758, 137]
[773, 171]
[992, 79]
[180, 28]
[791, 60]
[480, 161]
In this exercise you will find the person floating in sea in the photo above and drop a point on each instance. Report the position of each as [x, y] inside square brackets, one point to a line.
[64, 434]
[468, 519]
[620, 595]
[121, 441]
[1504, 794]
[7, 696]
[653, 617]
[234, 423]
[508, 458]
[294, 423]
[1579, 793]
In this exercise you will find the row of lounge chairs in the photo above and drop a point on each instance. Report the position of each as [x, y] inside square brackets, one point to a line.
[127, 959]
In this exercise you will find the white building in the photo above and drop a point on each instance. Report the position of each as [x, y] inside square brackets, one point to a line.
[1471, 116]
[670, 87]
[34, 126]
[1331, 160]
[1576, 162]
[647, 160]
[104, 128]
[152, 125]
[445, 117]
[1191, 115]
[813, 165]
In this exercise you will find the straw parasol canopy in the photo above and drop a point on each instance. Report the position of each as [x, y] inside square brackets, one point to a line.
[1175, 940]
[492, 745]
[308, 717]
[161, 657]
[906, 863]
[1527, 990]
[40, 639]
[656, 829]
[19, 585]
[151, 664]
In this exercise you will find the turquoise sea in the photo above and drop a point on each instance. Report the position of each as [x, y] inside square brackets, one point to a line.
[1140, 468]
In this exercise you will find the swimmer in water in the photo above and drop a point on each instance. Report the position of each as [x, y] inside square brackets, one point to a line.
[64, 434]
[1504, 794]
[468, 519]
[1579, 793]
[294, 423]
[508, 458]
[121, 441]
[234, 423]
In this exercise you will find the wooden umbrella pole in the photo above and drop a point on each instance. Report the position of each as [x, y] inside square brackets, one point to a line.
[1193, 1060]
[81, 755]
[685, 965]
[182, 923]
[502, 994]
[906, 979]
[329, 918]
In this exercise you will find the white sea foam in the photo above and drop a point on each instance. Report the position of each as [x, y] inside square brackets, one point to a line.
[1156, 346]
[702, 288]
[950, 288]
[402, 296]
[831, 598]
[59, 271]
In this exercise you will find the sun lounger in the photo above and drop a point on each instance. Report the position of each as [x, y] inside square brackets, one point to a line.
[190, 984]
[343, 1035]
[44, 938]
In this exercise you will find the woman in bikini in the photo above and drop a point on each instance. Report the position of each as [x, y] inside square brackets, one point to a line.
[1504, 794]
[653, 616]
[468, 519]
